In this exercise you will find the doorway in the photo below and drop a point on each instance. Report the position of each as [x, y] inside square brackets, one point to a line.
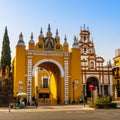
[91, 81]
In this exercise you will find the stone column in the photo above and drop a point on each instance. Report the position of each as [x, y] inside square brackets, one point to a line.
[85, 90]
[115, 93]
[100, 90]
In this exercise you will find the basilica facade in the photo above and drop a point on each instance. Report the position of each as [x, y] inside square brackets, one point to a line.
[93, 70]
[54, 73]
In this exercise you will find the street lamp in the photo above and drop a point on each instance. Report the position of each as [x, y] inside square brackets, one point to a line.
[37, 92]
[73, 83]
[84, 96]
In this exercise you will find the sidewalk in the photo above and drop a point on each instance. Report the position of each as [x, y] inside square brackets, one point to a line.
[47, 107]
[41, 108]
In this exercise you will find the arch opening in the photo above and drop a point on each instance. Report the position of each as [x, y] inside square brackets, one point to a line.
[51, 61]
[91, 81]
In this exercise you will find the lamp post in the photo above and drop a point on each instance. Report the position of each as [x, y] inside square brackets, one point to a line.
[37, 92]
[84, 96]
[73, 83]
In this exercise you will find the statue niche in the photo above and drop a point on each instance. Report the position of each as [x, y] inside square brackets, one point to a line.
[49, 44]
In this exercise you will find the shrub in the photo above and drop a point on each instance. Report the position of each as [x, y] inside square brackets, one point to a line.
[104, 99]
[92, 104]
[106, 105]
[103, 102]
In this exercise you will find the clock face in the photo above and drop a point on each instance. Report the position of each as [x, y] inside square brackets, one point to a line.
[40, 45]
[57, 47]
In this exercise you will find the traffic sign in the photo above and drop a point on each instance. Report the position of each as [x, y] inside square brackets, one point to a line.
[91, 86]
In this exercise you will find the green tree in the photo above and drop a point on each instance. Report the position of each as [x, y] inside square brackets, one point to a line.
[6, 52]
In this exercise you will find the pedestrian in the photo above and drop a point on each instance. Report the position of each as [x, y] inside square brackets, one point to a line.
[36, 103]
[25, 100]
[9, 108]
[81, 99]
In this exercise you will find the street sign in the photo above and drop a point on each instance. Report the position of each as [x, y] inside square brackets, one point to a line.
[91, 86]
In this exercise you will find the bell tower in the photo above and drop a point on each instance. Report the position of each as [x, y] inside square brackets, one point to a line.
[85, 35]
[86, 45]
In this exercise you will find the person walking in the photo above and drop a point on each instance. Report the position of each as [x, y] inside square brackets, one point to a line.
[36, 103]
[9, 107]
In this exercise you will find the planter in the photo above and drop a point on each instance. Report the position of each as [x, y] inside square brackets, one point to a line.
[103, 105]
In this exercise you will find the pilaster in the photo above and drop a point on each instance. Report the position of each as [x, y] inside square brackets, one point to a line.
[66, 80]
[29, 79]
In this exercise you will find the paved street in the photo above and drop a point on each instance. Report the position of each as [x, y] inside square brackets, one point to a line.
[60, 113]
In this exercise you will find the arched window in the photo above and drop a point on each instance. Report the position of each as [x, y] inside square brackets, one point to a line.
[84, 39]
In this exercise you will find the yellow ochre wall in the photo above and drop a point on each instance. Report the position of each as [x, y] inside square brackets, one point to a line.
[57, 82]
[20, 71]
[75, 74]
[20, 67]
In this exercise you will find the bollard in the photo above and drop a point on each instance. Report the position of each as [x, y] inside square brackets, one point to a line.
[9, 108]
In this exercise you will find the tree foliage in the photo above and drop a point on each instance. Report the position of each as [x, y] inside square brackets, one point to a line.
[6, 52]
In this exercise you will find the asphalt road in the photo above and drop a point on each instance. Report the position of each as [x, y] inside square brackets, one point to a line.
[76, 114]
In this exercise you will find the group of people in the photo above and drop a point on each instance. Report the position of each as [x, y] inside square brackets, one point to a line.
[22, 102]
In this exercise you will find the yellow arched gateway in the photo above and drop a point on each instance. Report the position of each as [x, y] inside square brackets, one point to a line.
[47, 70]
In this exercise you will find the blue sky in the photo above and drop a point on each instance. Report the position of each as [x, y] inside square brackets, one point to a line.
[26, 16]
